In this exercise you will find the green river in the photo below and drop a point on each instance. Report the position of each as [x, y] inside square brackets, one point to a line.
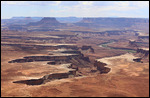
[105, 45]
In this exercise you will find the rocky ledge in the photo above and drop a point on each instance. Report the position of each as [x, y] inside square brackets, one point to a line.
[87, 48]
[101, 67]
[50, 77]
[144, 52]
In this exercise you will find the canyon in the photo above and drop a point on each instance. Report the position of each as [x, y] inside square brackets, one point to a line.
[89, 57]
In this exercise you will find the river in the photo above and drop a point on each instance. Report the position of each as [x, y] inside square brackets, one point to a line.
[105, 45]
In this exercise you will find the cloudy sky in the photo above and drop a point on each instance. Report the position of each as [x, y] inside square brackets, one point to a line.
[75, 8]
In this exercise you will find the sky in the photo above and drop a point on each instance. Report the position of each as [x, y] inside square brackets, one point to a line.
[133, 9]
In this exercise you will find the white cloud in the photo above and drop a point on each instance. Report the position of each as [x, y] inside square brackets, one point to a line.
[141, 3]
[88, 8]
[84, 10]
[86, 2]
[138, 4]
[13, 2]
[122, 3]
[57, 2]
[41, 3]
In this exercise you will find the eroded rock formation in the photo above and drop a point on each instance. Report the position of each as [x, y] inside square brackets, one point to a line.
[101, 67]
[143, 36]
[132, 43]
[61, 57]
[38, 46]
[46, 22]
[53, 76]
[47, 78]
[144, 52]
[76, 59]
[108, 33]
[87, 48]
[111, 22]
[138, 60]
[31, 82]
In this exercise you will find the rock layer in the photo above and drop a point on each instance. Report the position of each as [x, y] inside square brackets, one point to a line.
[143, 52]
[46, 22]
[50, 77]
[87, 48]
[111, 22]
[101, 67]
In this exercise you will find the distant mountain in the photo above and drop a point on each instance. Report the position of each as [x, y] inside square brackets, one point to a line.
[20, 20]
[52, 23]
[60, 19]
[36, 18]
[46, 22]
[26, 20]
[68, 19]
[112, 22]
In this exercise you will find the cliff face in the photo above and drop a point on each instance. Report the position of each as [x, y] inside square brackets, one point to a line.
[78, 60]
[112, 22]
[132, 43]
[19, 21]
[143, 52]
[143, 37]
[101, 67]
[29, 24]
[50, 77]
[70, 55]
[31, 82]
[46, 22]
[87, 48]
[70, 60]
[68, 19]
[32, 47]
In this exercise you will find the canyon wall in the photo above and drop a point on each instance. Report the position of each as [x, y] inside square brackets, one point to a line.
[101, 67]
[49, 22]
[114, 22]
[143, 52]
[50, 77]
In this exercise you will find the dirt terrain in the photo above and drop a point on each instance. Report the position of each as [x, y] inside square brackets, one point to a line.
[74, 63]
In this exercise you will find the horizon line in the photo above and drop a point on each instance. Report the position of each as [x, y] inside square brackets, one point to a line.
[71, 16]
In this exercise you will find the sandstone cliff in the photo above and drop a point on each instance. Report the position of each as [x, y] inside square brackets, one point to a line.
[83, 48]
[50, 77]
[112, 22]
[101, 67]
[46, 22]
[143, 52]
